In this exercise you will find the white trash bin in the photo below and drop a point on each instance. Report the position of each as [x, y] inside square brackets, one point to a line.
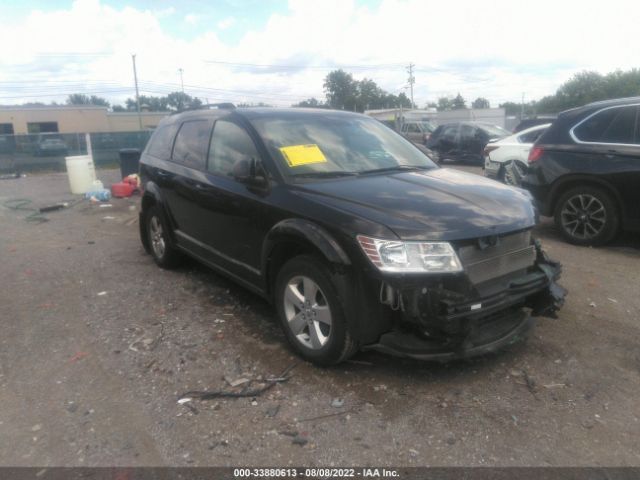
[81, 172]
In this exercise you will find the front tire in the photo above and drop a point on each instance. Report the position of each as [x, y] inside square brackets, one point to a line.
[163, 252]
[311, 313]
[587, 216]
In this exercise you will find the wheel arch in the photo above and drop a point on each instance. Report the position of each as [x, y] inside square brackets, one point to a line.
[565, 184]
[293, 237]
[151, 196]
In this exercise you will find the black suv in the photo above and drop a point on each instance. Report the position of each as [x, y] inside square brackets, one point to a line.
[463, 141]
[585, 171]
[356, 236]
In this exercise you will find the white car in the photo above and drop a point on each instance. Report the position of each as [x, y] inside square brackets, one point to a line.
[506, 159]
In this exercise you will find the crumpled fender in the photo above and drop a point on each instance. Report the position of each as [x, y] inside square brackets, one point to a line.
[548, 302]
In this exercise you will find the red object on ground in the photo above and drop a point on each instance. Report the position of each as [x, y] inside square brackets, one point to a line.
[122, 189]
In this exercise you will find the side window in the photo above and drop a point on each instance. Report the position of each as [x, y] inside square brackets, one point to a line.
[230, 144]
[467, 133]
[190, 148]
[162, 141]
[413, 128]
[449, 133]
[613, 125]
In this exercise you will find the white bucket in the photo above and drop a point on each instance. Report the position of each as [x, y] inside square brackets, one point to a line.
[82, 173]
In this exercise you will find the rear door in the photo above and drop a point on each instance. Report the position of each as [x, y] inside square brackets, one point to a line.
[185, 174]
[446, 143]
[613, 135]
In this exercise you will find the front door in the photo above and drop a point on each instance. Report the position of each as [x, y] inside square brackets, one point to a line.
[234, 222]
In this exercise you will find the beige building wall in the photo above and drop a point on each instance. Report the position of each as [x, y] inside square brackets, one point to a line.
[128, 121]
[79, 119]
[69, 119]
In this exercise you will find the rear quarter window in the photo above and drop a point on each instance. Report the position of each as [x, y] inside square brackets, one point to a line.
[192, 141]
[162, 141]
[612, 125]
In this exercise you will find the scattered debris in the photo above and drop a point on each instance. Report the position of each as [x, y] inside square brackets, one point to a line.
[267, 385]
[100, 294]
[36, 427]
[337, 403]
[554, 385]
[413, 452]
[54, 207]
[106, 205]
[300, 440]
[271, 412]
[613, 300]
[78, 356]
[184, 400]
[593, 304]
[235, 382]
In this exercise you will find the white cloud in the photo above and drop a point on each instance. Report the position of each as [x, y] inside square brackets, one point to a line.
[468, 47]
[226, 23]
[192, 18]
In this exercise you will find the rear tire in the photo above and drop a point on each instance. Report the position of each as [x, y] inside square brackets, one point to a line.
[587, 216]
[311, 313]
[162, 251]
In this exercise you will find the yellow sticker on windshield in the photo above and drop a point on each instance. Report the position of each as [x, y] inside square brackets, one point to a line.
[297, 155]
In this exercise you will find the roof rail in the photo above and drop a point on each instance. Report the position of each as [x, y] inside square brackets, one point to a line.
[208, 106]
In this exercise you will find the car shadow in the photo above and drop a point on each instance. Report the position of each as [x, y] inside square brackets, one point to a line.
[259, 322]
[628, 242]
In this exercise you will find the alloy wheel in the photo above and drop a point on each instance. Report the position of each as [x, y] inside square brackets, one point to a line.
[156, 235]
[583, 216]
[307, 312]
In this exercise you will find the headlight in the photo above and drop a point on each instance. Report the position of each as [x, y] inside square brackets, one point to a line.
[410, 257]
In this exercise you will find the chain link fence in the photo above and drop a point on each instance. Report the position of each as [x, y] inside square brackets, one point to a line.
[46, 151]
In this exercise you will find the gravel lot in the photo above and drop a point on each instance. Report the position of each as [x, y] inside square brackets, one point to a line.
[98, 343]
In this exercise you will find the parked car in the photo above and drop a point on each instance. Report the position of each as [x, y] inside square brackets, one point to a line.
[50, 144]
[585, 171]
[463, 141]
[506, 159]
[358, 239]
[417, 131]
[533, 121]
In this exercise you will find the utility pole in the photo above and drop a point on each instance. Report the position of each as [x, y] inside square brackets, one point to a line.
[181, 81]
[135, 79]
[412, 80]
[522, 107]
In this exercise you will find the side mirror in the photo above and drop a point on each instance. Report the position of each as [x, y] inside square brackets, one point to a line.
[248, 171]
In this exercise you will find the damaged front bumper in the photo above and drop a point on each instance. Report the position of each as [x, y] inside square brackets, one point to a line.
[451, 319]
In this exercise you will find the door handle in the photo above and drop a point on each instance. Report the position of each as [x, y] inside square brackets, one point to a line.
[163, 174]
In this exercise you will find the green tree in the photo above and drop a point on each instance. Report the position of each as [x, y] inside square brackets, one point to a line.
[458, 103]
[310, 103]
[182, 101]
[341, 90]
[480, 102]
[118, 108]
[444, 104]
[148, 102]
[82, 99]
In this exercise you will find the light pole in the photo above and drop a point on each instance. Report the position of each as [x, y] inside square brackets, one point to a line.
[181, 80]
[135, 79]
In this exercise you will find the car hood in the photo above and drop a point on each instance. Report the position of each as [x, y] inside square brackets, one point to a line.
[438, 204]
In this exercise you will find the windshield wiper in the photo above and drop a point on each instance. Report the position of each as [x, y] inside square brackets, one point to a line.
[325, 174]
[397, 168]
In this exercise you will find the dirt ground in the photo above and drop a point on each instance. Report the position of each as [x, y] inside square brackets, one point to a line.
[97, 345]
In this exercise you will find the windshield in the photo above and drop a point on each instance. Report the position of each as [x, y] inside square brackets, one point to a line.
[336, 144]
[427, 127]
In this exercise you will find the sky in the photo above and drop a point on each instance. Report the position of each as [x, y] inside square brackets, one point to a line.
[278, 52]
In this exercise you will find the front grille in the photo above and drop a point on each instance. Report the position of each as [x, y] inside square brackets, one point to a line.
[511, 253]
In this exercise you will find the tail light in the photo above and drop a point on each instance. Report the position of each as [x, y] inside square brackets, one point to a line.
[535, 153]
[490, 148]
